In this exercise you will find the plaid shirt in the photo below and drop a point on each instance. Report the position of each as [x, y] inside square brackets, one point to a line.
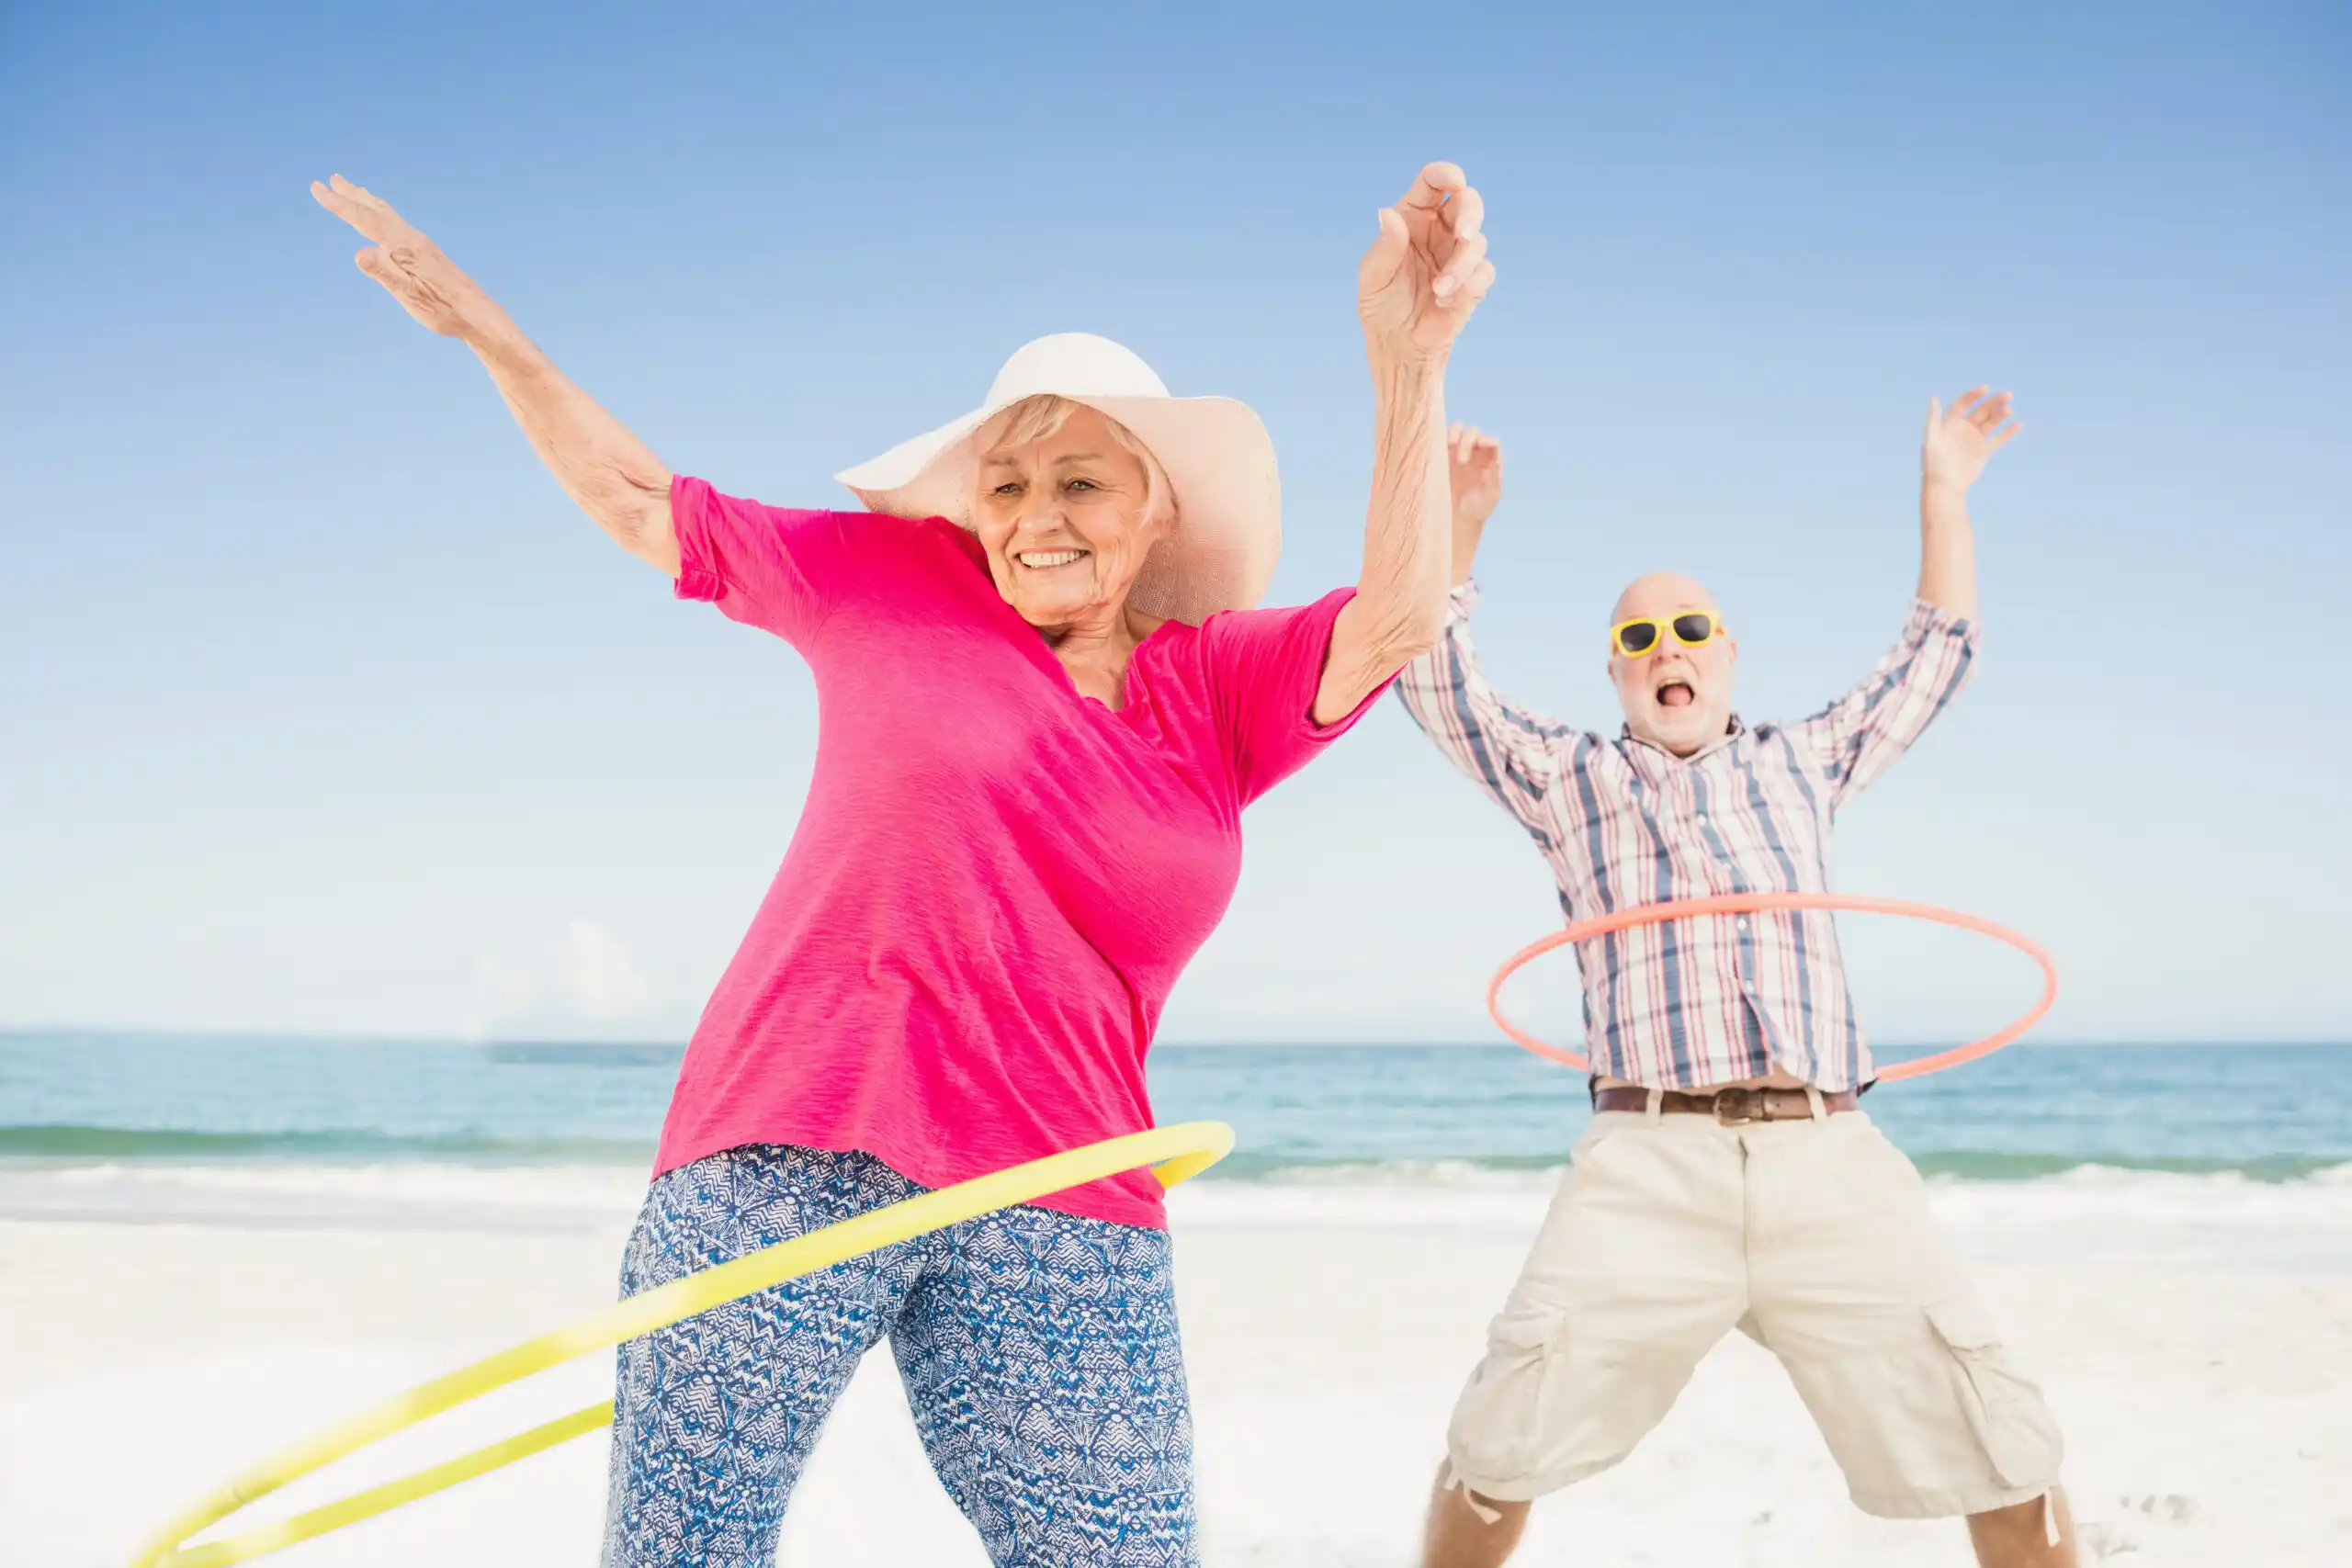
[1716, 998]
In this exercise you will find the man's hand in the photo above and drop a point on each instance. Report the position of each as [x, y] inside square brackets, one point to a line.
[1475, 465]
[1958, 444]
[1952, 453]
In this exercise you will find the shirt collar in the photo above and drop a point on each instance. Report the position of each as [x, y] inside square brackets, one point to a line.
[1732, 732]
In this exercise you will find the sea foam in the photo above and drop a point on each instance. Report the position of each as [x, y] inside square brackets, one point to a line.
[1414, 1193]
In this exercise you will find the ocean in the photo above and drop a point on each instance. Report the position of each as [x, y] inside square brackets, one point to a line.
[237, 1241]
[2251, 1112]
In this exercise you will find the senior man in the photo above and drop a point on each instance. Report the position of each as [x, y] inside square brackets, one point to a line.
[1729, 1178]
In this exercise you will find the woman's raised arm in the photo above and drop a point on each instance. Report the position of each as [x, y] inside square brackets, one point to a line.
[600, 465]
[1416, 288]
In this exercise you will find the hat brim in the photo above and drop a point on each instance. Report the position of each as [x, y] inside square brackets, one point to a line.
[1216, 452]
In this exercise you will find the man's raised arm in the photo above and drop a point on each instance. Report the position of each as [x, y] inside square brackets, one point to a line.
[1952, 453]
[1503, 749]
[1857, 736]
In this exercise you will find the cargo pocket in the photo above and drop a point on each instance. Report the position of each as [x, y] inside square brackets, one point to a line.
[1550, 1404]
[2009, 1419]
[1497, 1434]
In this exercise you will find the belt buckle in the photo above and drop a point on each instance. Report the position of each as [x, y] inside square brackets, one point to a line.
[1738, 1107]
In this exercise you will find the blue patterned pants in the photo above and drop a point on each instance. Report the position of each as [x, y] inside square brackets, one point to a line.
[1038, 1350]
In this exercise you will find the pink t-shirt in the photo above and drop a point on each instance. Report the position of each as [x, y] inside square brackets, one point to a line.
[996, 880]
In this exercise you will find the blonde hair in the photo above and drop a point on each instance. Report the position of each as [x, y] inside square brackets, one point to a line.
[1042, 414]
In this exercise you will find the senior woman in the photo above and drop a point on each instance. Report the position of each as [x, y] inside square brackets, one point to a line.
[1044, 701]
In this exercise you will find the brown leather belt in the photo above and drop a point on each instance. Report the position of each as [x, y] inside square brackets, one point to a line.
[1732, 1107]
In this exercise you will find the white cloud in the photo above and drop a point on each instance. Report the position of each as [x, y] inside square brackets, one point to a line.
[595, 973]
[585, 979]
[504, 993]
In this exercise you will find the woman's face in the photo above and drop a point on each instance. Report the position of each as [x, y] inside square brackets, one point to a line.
[1066, 522]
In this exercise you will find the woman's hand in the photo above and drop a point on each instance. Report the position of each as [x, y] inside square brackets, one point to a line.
[1958, 444]
[1425, 272]
[412, 268]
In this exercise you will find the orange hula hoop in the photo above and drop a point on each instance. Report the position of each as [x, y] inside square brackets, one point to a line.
[1752, 903]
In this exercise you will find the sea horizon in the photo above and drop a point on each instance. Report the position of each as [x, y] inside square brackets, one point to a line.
[1302, 1111]
[1884, 1047]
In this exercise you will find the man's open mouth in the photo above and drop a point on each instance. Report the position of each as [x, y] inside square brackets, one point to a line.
[1675, 695]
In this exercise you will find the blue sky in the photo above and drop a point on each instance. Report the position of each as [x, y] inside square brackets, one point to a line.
[321, 710]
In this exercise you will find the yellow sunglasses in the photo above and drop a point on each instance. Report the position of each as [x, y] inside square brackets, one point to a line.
[1641, 634]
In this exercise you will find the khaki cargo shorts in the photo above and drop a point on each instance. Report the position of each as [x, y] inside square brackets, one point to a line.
[1815, 1239]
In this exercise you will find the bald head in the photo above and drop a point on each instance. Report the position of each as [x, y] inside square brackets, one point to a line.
[1675, 695]
[1661, 593]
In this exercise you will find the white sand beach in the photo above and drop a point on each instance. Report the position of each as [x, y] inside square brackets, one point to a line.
[164, 1328]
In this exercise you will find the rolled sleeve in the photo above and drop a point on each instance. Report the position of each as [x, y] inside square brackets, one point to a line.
[1265, 667]
[1505, 749]
[778, 569]
[1858, 737]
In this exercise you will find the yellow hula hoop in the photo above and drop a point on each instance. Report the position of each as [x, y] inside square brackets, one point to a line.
[1175, 1153]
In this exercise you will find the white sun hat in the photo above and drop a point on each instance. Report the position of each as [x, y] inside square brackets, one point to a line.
[1216, 452]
